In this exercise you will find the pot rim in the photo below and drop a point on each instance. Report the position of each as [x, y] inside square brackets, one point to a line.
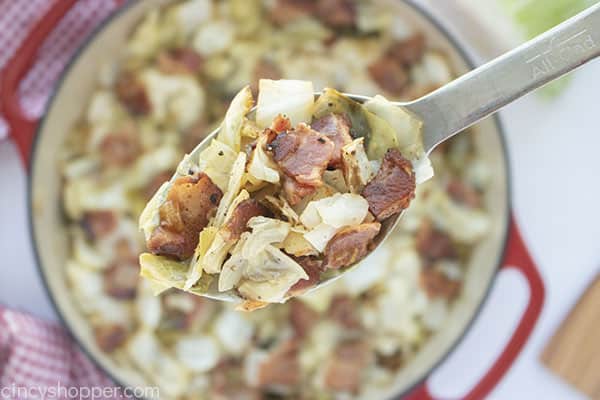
[459, 46]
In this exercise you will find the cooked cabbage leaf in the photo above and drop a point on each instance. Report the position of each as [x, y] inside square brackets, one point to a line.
[291, 98]
[230, 132]
[216, 161]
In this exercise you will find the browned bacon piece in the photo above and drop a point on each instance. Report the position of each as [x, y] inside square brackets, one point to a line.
[190, 203]
[302, 317]
[110, 337]
[98, 224]
[344, 310]
[350, 245]
[182, 60]
[337, 14]
[434, 244]
[241, 215]
[389, 75]
[282, 368]
[121, 279]
[437, 284]
[302, 154]
[337, 128]
[393, 188]
[132, 93]
[463, 193]
[120, 149]
[344, 370]
[409, 51]
[312, 266]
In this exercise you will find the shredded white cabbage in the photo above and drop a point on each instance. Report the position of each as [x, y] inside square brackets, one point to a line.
[339, 210]
[234, 119]
[233, 188]
[408, 129]
[262, 167]
[216, 161]
[357, 169]
[291, 98]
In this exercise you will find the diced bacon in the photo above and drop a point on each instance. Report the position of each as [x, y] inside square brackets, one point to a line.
[190, 203]
[183, 60]
[121, 279]
[337, 128]
[389, 75]
[312, 266]
[409, 51]
[338, 14]
[264, 69]
[247, 209]
[156, 182]
[464, 193]
[132, 93]
[344, 310]
[433, 244]
[110, 337]
[437, 284]
[286, 11]
[350, 245]
[98, 224]
[345, 368]
[282, 367]
[302, 317]
[393, 188]
[302, 154]
[120, 149]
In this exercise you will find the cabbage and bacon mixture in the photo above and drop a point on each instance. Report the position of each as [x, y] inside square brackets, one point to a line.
[182, 66]
[281, 199]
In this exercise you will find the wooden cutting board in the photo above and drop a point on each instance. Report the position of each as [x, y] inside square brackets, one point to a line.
[573, 353]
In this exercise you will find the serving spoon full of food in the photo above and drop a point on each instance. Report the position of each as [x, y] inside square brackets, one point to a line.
[288, 194]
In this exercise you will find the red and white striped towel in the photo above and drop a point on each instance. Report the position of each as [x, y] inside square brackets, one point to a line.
[39, 360]
[17, 17]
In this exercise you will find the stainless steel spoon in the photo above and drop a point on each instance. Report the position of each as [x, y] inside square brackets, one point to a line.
[485, 90]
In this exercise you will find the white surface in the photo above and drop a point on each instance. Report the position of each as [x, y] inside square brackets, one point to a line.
[555, 152]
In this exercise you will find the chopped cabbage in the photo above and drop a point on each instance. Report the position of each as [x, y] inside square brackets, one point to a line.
[216, 253]
[233, 268]
[320, 235]
[408, 129]
[291, 98]
[188, 15]
[357, 167]
[233, 188]
[296, 244]
[465, 225]
[205, 240]
[339, 210]
[261, 166]
[214, 37]
[265, 231]
[176, 99]
[198, 353]
[233, 331]
[230, 132]
[216, 161]
[146, 38]
[163, 270]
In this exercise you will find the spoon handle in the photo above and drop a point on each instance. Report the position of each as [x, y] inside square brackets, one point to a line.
[486, 89]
